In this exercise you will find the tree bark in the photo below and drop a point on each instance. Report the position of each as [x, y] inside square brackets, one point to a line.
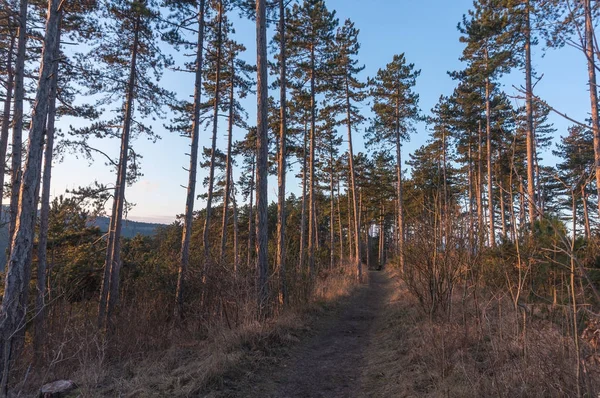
[281, 166]
[591, 61]
[17, 277]
[530, 142]
[480, 219]
[357, 256]
[331, 210]
[184, 255]
[228, 181]
[262, 152]
[17, 132]
[251, 229]
[302, 254]
[40, 305]
[339, 217]
[110, 285]
[211, 176]
[488, 124]
[381, 236]
[311, 190]
[10, 77]
[399, 188]
[236, 239]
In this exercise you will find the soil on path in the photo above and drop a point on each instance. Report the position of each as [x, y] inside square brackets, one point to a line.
[331, 361]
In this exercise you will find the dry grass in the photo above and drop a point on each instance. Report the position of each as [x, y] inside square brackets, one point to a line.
[147, 357]
[478, 351]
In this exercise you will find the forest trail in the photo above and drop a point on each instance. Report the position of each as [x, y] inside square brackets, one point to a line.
[330, 363]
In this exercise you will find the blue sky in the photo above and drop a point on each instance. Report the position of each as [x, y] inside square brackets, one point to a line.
[424, 30]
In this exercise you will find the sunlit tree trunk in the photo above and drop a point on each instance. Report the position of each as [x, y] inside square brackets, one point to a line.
[490, 186]
[5, 127]
[112, 265]
[251, 229]
[40, 305]
[339, 218]
[353, 182]
[228, 181]
[17, 277]
[215, 122]
[281, 166]
[530, 142]
[262, 157]
[302, 255]
[17, 131]
[184, 255]
[591, 61]
[312, 218]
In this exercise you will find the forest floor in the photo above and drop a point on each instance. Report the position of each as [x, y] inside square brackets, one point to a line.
[333, 359]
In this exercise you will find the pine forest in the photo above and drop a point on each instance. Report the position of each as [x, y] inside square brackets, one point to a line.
[358, 199]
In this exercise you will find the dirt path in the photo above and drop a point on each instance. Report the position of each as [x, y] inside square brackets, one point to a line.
[330, 362]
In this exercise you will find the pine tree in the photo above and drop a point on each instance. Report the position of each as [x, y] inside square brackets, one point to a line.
[19, 271]
[282, 154]
[7, 70]
[348, 92]
[311, 32]
[487, 55]
[237, 75]
[395, 106]
[185, 10]
[214, 68]
[131, 61]
[577, 168]
[262, 148]
[17, 130]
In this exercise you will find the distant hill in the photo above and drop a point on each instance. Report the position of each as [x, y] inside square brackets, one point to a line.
[129, 229]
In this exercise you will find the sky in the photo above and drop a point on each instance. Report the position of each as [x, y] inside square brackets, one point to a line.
[425, 31]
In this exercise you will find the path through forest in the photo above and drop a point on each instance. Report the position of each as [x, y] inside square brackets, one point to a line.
[330, 363]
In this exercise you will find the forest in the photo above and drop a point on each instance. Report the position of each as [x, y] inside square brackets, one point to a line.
[469, 267]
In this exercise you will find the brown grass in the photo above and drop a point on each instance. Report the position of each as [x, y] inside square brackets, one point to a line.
[148, 357]
[478, 351]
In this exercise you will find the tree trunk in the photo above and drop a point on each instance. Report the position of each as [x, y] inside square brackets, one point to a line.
[399, 188]
[184, 255]
[302, 254]
[470, 188]
[500, 177]
[211, 175]
[228, 180]
[311, 190]
[110, 285]
[331, 210]
[17, 281]
[445, 219]
[339, 217]
[10, 76]
[351, 225]
[17, 132]
[353, 183]
[381, 236]
[236, 239]
[281, 166]
[251, 229]
[40, 310]
[529, 112]
[488, 124]
[589, 42]
[481, 228]
[262, 152]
